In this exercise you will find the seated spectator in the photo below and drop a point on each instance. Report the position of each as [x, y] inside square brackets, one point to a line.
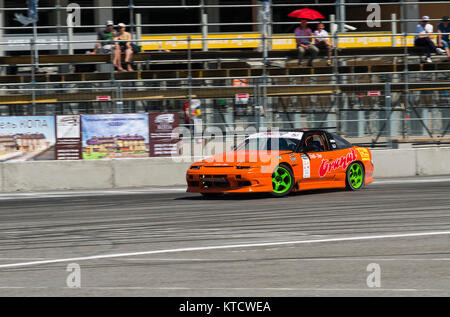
[424, 40]
[304, 43]
[323, 41]
[443, 40]
[124, 47]
[107, 34]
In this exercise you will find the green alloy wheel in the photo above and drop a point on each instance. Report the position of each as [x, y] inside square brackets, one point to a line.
[355, 176]
[282, 181]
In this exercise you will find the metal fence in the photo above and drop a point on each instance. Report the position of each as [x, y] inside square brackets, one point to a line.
[406, 100]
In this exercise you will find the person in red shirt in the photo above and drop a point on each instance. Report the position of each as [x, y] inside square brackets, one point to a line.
[305, 44]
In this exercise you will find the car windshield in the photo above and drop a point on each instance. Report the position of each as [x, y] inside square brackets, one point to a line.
[269, 144]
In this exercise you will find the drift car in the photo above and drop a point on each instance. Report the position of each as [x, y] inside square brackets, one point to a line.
[282, 162]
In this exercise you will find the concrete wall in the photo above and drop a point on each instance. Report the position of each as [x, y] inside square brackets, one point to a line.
[394, 163]
[128, 173]
[411, 162]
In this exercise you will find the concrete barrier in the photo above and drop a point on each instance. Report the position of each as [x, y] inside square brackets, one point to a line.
[149, 172]
[394, 163]
[434, 161]
[56, 175]
[128, 173]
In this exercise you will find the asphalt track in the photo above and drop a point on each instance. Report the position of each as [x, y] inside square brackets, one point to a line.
[165, 242]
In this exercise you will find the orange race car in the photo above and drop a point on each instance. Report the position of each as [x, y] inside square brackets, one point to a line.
[283, 161]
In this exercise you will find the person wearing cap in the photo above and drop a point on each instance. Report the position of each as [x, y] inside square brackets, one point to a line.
[124, 46]
[424, 40]
[443, 39]
[106, 38]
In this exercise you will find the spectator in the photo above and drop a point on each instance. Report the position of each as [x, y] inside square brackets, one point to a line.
[124, 46]
[323, 41]
[443, 40]
[304, 43]
[107, 34]
[424, 40]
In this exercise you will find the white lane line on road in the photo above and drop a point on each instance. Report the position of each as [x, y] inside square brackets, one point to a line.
[144, 288]
[221, 247]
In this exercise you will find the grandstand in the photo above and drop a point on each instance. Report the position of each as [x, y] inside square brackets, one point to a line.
[378, 87]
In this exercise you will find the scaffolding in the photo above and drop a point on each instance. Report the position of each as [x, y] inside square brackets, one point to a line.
[376, 90]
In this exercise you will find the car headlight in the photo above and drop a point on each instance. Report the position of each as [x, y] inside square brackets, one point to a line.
[196, 167]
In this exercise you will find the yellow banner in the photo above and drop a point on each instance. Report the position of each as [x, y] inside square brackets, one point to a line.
[215, 41]
[253, 40]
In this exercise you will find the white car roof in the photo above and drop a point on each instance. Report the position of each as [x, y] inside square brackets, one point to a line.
[277, 134]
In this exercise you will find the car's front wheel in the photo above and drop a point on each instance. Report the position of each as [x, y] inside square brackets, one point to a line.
[282, 181]
[355, 176]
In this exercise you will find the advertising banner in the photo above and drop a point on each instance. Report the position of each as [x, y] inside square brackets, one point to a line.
[115, 136]
[68, 137]
[253, 40]
[163, 142]
[27, 138]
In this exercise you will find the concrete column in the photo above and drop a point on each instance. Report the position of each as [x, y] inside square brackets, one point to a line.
[102, 15]
[2, 24]
[410, 11]
[213, 15]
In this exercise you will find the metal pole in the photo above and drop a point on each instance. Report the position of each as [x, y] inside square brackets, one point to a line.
[1, 30]
[58, 24]
[36, 53]
[132, 26]
[35, 67]
[139, 34]
[388, 105]
[33, 76]
[189, 73]
[265, 15]
[342, 16]
[204, 21]
[405, 62]
[70, 40]
[205, 32]
[394, 28]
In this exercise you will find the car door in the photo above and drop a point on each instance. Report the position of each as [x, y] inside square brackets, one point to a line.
[341, 154]
[313, 158]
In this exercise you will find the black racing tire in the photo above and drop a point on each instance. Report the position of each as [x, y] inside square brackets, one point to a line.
[280, 176]
[355, 176]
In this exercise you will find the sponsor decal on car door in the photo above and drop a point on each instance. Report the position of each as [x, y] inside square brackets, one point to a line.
[336, 162]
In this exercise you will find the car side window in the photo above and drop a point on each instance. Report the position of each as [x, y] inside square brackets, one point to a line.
[338, 143]
[314, 143]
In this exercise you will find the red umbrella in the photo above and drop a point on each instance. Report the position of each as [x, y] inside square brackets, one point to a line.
[306, 14]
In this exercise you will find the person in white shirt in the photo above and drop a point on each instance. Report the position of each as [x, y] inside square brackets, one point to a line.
[424, 40]
[322, 40]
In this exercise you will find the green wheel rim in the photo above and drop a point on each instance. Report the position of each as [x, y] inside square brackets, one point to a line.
[281, 180]
[356, 175]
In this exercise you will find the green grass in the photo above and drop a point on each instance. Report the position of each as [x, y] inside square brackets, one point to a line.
[94, 156]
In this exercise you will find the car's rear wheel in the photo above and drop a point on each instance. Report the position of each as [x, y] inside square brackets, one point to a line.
[355, 176]
[282, 181]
